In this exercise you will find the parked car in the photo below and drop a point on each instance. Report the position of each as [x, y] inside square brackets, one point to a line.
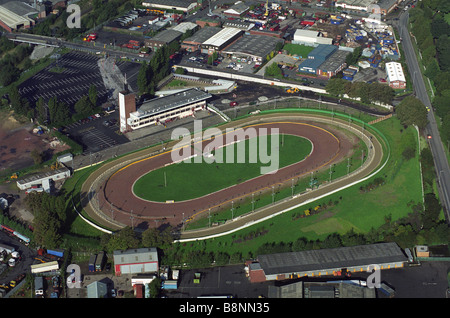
[232, 104]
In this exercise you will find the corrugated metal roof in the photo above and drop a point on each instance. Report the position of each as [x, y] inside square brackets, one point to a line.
[343, 257]
[135, 255]
[222, 37]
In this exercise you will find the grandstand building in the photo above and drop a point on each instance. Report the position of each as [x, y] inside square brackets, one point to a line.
[162, 110]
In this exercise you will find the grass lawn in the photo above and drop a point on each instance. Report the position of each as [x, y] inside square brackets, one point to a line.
[298, 49]
[184, 181]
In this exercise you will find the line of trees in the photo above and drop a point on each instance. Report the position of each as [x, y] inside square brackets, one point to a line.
[159, 67]
[431, 28]
[368, 93]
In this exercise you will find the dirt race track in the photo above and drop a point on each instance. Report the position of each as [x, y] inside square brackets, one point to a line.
[108, 198]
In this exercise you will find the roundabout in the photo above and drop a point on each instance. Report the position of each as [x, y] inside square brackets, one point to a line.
[109, 198]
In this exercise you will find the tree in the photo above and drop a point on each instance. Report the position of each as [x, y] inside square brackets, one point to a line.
[273, 70]
[432, 69]
[411, 111]
[83, 106]
[93, 95]
[432, 211]
[336, 87]
[122, 240]
[18, 104]
[49, 216]
[41, 111]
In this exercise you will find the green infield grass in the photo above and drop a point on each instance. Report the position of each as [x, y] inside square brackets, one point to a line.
[184, 181]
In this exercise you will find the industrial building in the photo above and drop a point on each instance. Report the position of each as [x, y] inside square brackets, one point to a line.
[254, 47]
[183, 27]
[325, 262]
[179, 5]
[15, 15]
[97, 289]
[310, 38]
[330, 289]
[221, 40]
[358, 5]
[163, 110]
[324, 60]
[165, 37]
[395, 76]
[386, 6]
[135, 261]
[41, 182]
[237, 10]
[333, 65]
[194, 42]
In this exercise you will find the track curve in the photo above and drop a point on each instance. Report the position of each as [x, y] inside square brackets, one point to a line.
[94, 200]
[329, 145]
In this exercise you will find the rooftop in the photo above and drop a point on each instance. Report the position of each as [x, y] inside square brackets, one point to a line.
[256, 45]
[167, 36]
[169, 102]
[135, 255]
[394, 72]
[43, 175]
[174, 3]
[222, 37]
[185, 26]
[334, 62]
[203, 34]
[322, 51]
[20, 8]
[356, 3]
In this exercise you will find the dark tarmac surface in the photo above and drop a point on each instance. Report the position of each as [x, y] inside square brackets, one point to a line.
[68, 78]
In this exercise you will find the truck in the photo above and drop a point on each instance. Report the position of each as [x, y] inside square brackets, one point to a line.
[39, 286]
[169, 284]
[90, 37]
[100, 262]
[92, 260]
[307, 22]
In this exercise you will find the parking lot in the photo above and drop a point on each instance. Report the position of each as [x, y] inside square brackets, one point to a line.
[68, 78]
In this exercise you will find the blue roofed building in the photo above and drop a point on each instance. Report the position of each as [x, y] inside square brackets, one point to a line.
[324, 60]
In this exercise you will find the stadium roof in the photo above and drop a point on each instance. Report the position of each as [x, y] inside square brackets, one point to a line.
[361, 255]
[169, 102]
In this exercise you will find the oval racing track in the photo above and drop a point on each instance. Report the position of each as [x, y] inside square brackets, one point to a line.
[116, 206]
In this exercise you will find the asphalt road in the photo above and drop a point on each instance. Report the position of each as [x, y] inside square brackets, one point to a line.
[436, 146]
[23, 266]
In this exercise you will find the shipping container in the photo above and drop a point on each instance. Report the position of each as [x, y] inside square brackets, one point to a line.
[56, 252]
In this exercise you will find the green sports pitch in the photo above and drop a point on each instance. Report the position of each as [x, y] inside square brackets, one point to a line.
[189, 180]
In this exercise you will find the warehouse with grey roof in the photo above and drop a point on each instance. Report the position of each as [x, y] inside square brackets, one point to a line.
[255, 47]
[325, 262]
